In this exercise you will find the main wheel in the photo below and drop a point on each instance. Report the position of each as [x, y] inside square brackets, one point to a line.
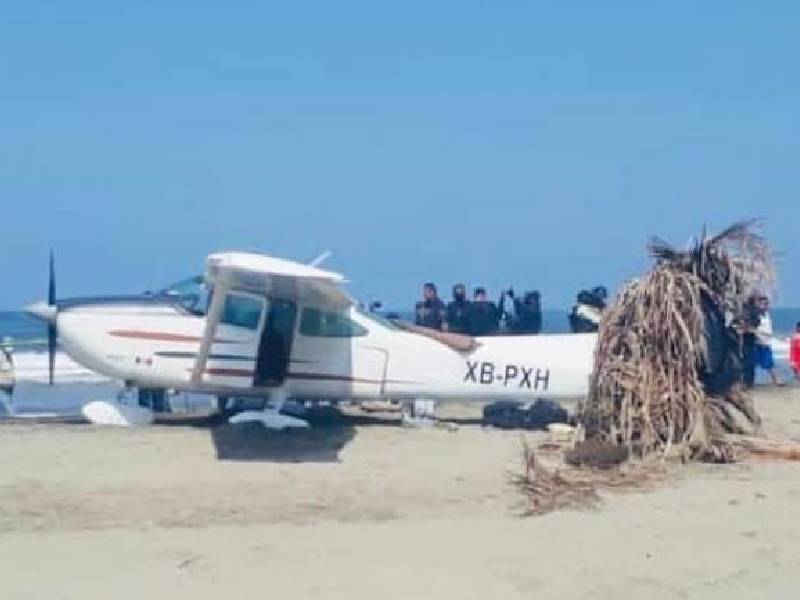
[226, 407]
[154, 399]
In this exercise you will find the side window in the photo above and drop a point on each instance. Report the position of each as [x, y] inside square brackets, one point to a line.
[317, 323]
[242, 311]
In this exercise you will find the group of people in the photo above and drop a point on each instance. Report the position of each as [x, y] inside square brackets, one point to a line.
[515, 315]
[479, 316]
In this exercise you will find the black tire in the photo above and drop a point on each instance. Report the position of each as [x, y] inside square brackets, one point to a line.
[225, 408]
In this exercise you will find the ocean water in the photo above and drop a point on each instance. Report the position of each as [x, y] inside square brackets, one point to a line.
[21, 327]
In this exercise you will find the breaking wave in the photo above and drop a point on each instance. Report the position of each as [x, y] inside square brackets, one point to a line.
[33, 367]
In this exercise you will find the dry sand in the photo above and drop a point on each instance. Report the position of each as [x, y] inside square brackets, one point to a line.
[367, 509]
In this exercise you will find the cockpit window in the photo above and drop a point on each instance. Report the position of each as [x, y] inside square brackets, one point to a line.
[242, 311]
[192, 294]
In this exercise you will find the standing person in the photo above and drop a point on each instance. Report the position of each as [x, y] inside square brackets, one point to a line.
[588, 310]
[529, 313]
[6, 367]
[484, 318]
[794, 352]
[764, 357]
[524, 315]
[749, 347]
[430, 312]
[458, 310]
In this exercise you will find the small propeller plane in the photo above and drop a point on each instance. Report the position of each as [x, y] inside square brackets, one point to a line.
[255, 326]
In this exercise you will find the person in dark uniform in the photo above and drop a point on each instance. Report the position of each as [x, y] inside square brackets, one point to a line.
[458, 310]
[588, 310]
[484, 318]
[752, 319]
[431, 311]
[528, 314]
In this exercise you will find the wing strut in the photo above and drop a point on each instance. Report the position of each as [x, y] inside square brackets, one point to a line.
[212, 320]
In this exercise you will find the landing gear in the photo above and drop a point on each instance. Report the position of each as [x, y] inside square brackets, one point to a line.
[154, 399]
[226, 407]
[270, 416]
[122, 411]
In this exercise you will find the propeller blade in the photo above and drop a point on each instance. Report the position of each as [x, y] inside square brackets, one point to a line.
[52, 336]
[52, 331]
[51, 289]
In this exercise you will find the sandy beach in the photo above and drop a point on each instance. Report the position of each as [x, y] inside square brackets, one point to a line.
[364, 508]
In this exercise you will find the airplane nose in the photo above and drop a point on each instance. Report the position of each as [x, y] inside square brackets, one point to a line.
[42, 310]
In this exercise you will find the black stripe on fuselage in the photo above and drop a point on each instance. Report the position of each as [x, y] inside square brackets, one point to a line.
[192, 355]
[169, 354]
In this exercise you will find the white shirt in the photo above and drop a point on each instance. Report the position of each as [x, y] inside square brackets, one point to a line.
[764, 330]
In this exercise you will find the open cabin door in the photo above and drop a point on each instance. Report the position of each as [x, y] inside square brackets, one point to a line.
[275, 345]
[250, 325]
[252, 341]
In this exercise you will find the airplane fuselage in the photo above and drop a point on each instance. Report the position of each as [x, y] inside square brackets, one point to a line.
[356, 356]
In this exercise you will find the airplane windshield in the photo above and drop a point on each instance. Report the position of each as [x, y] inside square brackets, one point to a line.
[192, 294]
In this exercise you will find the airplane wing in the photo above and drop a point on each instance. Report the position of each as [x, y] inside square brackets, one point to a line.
[267, 276]
[279, 278]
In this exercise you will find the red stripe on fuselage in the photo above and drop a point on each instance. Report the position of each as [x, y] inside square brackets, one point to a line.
[161, 336]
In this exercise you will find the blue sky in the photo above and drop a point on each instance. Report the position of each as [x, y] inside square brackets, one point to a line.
[532, 143]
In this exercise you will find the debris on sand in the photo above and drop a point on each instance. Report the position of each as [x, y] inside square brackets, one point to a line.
[667, 371]
[549, 487]
[596, 453]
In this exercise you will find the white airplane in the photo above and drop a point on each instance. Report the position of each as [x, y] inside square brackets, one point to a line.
[263, 327]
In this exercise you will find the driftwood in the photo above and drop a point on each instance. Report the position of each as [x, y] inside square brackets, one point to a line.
[549, 485]
[767, 448]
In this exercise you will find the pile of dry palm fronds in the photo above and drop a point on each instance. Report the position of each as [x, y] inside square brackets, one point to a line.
[550, 487]
[651, 386]
[666, 373]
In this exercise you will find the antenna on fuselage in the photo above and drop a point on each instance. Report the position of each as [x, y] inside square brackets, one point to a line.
[320, 259]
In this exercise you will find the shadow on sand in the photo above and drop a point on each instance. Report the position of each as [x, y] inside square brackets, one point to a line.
[251, 442]
[330, 431]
